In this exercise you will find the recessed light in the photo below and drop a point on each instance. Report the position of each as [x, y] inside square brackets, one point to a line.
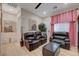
[65, 3]
[44, 13]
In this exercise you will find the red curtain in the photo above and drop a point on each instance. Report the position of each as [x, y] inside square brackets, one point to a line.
[69, 16]
[72, 33]
[52, 26]
[54, 19]
[64, 17]
[74, 15]
[72, 30]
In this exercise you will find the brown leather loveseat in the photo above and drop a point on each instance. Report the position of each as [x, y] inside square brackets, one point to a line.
[34, 39]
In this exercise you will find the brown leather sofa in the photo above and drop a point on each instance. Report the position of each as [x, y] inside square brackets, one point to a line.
[62, 38]
[42, 37]
[34, 39]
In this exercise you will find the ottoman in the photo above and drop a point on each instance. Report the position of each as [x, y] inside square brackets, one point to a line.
[51, 49]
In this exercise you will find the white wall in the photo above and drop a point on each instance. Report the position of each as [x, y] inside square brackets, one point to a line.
[47, 21]
[25, 17]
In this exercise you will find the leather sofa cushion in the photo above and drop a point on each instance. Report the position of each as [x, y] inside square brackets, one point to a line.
[29, 34]
[60, 33]
[38, 33]
[59, 37]
[35, 41]
[29, 41]
[32, 41]
[67, 40]
[31, 38]
[59, 41]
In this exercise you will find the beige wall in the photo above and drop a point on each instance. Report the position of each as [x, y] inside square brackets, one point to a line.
[26, 20]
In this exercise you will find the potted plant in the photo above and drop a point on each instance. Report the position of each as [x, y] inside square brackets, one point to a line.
[42, 28]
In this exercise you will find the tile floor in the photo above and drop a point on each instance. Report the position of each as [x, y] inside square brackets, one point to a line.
[14, 49]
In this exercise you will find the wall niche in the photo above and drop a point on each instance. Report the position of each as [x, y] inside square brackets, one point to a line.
[8, 17]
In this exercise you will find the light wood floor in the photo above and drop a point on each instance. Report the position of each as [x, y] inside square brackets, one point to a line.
[14, 49]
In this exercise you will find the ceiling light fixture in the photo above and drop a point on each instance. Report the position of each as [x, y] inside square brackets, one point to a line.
[65, 3]
[44, 13]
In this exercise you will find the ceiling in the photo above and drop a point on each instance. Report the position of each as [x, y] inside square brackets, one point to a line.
[47, 9]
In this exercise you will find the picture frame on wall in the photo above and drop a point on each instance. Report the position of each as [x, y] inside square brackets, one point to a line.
[9, 22]
[34, 27]
[9, 26]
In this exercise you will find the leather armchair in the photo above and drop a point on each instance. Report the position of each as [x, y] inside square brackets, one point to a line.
[62, 38]
[31, 42]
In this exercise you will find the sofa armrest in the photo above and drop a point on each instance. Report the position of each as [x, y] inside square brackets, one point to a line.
[28, 41]
[51, 37]
[67, 43]
[67, 40]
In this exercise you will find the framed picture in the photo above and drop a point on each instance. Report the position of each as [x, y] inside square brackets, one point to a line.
[34, 27]
[9, 26]
[9, 22]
